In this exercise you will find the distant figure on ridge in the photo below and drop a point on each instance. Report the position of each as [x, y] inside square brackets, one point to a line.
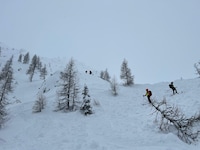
[171, 85]
[89, 71]
[148, 94]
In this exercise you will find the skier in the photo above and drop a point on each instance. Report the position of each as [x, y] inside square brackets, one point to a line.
[171, 85]
[148, 94]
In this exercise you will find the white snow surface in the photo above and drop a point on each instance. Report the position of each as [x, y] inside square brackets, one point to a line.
[123, 122]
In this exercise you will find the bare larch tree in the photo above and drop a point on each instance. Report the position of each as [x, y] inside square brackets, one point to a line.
[68, 93]
[126, 74]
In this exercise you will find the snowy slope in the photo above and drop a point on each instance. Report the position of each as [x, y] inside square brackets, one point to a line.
[124, 122]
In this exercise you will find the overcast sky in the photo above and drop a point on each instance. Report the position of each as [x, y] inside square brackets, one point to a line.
[160, 39]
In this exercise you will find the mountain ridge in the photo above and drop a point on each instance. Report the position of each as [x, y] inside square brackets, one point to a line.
[125, 121]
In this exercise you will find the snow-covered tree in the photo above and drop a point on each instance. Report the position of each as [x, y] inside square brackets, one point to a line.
[126, 74]
[26, 58]
[67, 95]
[43, 72]
[102, 74]
[39, 63]
[32, 68]
[114, 86]
[5, 87]
[75, 93]
[3, 114]
[39, 103]
[7, 74]
[20, 58]
[86, 107]
[197, 67]
[105, 75]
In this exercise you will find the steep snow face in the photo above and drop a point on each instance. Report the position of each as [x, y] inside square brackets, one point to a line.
[123, 122]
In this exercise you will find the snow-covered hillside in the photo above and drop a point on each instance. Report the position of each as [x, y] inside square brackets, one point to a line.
[124, 122]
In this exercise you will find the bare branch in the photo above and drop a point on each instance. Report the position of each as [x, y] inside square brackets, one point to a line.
[172, 116]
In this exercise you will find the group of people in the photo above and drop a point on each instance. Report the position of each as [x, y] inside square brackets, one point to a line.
[90, 72]
[149, 93]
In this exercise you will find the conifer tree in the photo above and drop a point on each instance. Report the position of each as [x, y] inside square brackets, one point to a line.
[5, 87]
[32, 68]
[43, 72]
[105, 75]
[20, 58]
[7, 74]
[39, 63]
[197, 67]
[75, 93]
[26, 58]
[86, 107]
[126, 74]
[102, 74]
[67, 95]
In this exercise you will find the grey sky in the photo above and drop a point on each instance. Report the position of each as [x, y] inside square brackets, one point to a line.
[160, 39]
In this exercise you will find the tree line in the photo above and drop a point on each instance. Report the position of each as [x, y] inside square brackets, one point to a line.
[6, 79]
[35, 65]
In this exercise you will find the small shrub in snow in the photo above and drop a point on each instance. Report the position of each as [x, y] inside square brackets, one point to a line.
[39, 103]
[114, 86]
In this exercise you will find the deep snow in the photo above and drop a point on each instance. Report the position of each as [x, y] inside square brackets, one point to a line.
[124, 122]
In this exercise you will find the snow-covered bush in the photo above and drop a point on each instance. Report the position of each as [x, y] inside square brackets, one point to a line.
[114, 86]
[39, 103]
